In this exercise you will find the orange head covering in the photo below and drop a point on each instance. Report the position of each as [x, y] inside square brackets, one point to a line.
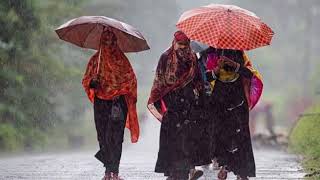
[115, 76]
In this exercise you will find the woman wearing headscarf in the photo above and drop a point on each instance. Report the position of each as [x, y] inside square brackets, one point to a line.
[236, 88]
[111, 86]
[175, 101]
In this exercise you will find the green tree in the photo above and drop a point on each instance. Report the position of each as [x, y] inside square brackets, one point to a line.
[31, 74]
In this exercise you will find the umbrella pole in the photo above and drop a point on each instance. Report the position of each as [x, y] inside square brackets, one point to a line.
[99, 56]
[99, 60]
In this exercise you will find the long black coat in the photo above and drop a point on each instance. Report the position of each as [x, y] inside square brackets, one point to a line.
[184, 137]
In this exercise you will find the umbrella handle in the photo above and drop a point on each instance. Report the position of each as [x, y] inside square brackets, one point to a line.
[99, 60]
[99, 56]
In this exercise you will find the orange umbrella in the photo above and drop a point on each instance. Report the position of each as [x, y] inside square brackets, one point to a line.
[225, 27]
[86, 32]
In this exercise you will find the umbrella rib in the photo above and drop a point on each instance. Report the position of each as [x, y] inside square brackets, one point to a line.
[204, 21]
[219, 37]
[243, 16]
[68, 29]
[82, 37]
[82, 44]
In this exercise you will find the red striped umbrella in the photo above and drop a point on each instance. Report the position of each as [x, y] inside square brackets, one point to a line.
[225, 27]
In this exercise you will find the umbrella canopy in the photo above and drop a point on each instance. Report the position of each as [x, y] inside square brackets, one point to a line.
[86, 32]
[225, 27]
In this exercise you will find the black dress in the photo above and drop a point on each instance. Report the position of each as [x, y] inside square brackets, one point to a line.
[184, 140]
[230, 135]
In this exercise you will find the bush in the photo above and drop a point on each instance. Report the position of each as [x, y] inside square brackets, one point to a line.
[33, 139]
[9, 138]
[305, 139]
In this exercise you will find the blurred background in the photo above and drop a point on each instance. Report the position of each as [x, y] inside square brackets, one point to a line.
[43, 106]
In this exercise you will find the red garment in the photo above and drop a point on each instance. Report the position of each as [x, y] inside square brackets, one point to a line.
[180, 36]
[116, 77]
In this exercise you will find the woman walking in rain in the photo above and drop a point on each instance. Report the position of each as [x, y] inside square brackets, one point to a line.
[230, 76]
[111, 85]
[175, 100]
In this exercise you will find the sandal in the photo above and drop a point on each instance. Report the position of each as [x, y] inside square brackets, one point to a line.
[115, 176]
[223, 174]
[107, 176]
[242, 178]
[196, 174]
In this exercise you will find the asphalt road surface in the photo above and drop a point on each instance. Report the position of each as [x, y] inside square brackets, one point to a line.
[137, 163]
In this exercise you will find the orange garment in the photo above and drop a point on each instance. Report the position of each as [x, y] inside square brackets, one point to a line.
[116, 77]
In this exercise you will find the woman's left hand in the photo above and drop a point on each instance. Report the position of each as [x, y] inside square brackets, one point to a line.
[231, 63]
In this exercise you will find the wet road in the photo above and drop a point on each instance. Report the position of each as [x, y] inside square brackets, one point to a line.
[137, 164]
